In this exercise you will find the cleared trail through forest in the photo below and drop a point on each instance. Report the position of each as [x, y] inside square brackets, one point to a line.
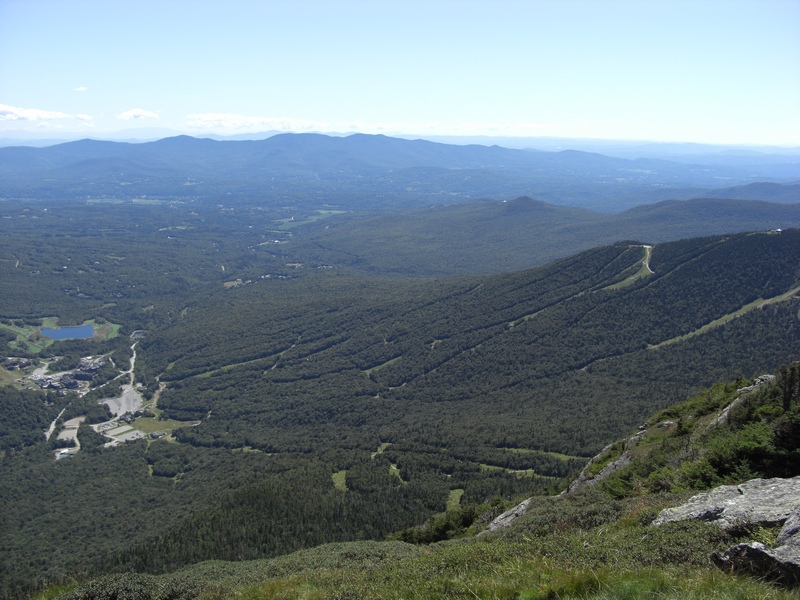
[760, 303]
[756, 304]
[526, 318]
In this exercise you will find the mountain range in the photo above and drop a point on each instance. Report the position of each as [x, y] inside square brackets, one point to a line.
[359, 171]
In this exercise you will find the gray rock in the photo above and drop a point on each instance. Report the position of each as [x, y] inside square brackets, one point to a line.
[724, 414]
[507, 517]
[583, 480]
[756, 502]
[781, 564]
[760, 381]
[756, 559]
[791, 529]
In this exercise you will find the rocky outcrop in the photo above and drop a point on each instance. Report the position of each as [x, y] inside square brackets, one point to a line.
[586, 480]
[790, 534]
[762, 502]
[781, 564]
[756, 502]
[759, 382]
[507, 517]
[722, 417]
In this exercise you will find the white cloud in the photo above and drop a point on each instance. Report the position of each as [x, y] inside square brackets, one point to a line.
[15, 113]
[81, 89]
[234, 122]
[229, 122]
[137, 113]
[238, 122]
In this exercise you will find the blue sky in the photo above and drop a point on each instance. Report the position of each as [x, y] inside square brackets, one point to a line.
[701, 71]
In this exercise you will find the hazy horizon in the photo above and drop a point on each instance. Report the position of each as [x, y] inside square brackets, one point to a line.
[545, 143]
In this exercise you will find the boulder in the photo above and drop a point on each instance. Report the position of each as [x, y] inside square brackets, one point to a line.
[791, 529]
[756, 559]
[755, 502]
[780, 564]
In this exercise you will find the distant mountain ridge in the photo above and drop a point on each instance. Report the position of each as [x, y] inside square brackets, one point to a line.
[356, 171]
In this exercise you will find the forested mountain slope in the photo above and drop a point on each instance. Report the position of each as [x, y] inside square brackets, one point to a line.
[518, 348]
[116, 259]
[382, 399]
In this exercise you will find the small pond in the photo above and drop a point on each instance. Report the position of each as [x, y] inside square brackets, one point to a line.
[81, 332]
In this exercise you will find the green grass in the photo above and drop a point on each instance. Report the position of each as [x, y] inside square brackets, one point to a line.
[558, 455]
[454, 499]
[646, 583]
[395, 471]
[340, 480]
[149, 425]
[29, 340]
[383, 446]
[10, 377]
[644, 271]
[231, 366]
[585, 546]
[520, 473]
[472, 569]
[378, 367]
[106, 331]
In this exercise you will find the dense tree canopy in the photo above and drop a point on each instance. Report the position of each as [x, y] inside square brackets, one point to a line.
[281, 377]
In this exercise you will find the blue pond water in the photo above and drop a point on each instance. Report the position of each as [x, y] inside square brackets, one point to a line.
[69, 333]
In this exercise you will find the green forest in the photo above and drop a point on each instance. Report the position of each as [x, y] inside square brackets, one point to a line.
[310, 399]
[595, 542]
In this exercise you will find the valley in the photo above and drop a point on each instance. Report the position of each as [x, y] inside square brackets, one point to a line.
[308, 375]
[273, 372]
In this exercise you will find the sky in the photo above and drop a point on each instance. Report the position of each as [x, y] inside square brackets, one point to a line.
[706, 71]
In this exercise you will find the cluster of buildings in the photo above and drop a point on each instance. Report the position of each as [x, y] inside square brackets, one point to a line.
[14, 362]
[70, 380]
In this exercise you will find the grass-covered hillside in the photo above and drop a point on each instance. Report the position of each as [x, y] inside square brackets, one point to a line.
[595, 543]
